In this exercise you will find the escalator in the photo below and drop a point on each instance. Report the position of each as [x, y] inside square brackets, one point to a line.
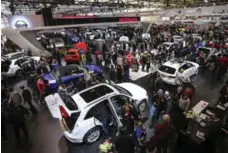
[25, 41]
[145, 26]
[31, 37]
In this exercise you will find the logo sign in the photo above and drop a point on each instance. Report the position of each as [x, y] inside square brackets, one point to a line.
[128, 19]
[199, 10]
[21, 24]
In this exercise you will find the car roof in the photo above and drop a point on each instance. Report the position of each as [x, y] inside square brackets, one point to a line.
[68, 68]
[196, 34]
[13, 60]
[81, 102]
[174, 63]
[176, 36]
[168, 43]
[12, 54]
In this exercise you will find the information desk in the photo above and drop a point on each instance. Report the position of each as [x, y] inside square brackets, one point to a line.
[203, 122]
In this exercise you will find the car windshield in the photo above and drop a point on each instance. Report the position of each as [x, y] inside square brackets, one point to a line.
[167, 69]
[166, 45]
[177, 37]
[70, 53]
[122, 90]
[66, 70]
[95, 93]
[69, 102]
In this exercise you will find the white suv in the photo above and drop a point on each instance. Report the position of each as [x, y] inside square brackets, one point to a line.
[82, 114]
[14, 67]
[175, 71]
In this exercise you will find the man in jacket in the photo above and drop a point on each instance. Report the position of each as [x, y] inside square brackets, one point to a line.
[27, 96]
[169, 103]
[161, 137]
[125, 143]
[41, 85]
[15, 97]
[18, 121]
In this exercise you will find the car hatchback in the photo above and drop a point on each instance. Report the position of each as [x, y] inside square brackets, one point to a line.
[81, 115]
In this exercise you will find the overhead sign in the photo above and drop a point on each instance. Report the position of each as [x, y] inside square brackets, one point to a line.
[128, 19]
[26, 21]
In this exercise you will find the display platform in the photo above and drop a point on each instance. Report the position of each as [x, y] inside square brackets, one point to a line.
[140, 74]
[137, 75]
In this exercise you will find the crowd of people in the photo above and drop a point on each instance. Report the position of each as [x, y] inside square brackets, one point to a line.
[118, 58]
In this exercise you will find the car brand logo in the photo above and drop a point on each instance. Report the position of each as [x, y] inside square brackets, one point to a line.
[21, 24]
[199, 10]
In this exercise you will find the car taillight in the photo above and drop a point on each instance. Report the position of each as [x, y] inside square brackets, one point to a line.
[63, 112]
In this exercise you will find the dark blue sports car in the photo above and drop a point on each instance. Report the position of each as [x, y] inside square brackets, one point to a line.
[67, 74]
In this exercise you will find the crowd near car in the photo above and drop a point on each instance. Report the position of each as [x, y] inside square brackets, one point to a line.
[173, 72]
[99, 63]
[84, 109]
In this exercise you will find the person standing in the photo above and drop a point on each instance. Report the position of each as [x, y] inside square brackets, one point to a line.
[160, 103]
[169, 103]
[58, 56]
[112, 74]
[161, 137]
[126, 69]
[27, 96]
[120, 60]
[119, 74]
[149, 59]
[144, 60]
[134, 64]
[124, 143]
[162, 132]
[15, 97]
[184, 103]
[3, 130]
[87, 77]
[18, 121]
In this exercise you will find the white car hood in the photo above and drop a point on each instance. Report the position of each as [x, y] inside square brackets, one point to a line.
[137, 92]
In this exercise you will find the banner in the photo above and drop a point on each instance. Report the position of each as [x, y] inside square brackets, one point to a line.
[26, 21]
[149, 18]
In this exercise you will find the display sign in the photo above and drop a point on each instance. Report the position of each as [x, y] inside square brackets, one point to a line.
[26, 21]
[150, 18]
[128, 19]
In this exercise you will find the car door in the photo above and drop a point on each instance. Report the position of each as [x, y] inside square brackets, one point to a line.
[93, 116]
[183, 70]
[24, 63]
[119, 100]
[53, 101]
[191, 69]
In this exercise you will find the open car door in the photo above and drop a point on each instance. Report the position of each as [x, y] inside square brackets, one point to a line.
[53, 101]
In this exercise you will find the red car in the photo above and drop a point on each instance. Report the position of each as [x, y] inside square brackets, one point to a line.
[72, 56]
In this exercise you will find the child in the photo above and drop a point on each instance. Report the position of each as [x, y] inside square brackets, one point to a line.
[140, 132]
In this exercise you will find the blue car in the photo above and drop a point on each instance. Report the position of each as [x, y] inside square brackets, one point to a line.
[67, 74]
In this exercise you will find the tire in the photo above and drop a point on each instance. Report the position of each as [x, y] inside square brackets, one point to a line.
[142, 106]
[19, 74]
[97, 133]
